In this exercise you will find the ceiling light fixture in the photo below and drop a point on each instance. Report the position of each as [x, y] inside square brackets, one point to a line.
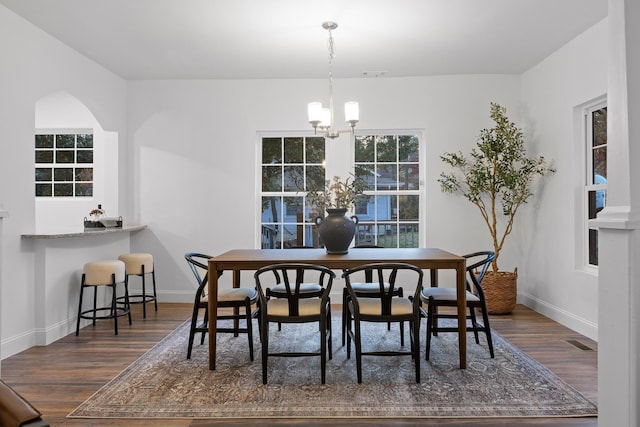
[322, 118]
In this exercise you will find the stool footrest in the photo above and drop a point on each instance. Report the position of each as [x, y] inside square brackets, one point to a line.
[88, 314]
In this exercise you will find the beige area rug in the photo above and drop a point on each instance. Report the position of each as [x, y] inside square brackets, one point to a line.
[163, 384]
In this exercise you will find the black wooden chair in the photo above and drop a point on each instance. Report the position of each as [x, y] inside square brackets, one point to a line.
[436, 297]
[367, 288]
[292, 306]
[240, 299]
[385, 307]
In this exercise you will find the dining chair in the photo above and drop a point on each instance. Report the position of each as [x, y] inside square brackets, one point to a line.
[294, 307]
[366, 288]
[384, 307]
[436, 297]
[236, 298]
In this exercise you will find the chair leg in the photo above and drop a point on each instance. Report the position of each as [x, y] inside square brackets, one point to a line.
[144, 294]
[80, 306]
[114, 307]
[155, 294]
[329, 338]
[265, 348]
[205, 322]
[192, 329]
[487, 329]
[323, 349]
[344, 314]
[415, 346]
[127, 301]
[95, 303]
[430, 319]
[474, 323]
[249, 327]
[358, 339]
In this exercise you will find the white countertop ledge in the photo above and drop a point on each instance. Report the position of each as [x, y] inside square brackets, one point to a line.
[82, 232]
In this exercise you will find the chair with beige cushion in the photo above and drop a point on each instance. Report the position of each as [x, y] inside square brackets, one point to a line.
[384, 307]
[294, 306]
[141, 265]
[436, 297]
[238, 299]
[109, 274]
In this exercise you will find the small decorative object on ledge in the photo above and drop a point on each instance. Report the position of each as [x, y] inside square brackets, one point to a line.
[97, 220]
[103, 223]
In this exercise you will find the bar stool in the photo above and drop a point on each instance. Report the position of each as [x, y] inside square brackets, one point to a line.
[140, 264]
[103, 273]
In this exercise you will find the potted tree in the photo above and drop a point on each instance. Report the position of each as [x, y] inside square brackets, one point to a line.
[496, 178]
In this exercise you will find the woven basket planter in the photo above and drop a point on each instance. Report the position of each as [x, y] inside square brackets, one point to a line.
[500, 291]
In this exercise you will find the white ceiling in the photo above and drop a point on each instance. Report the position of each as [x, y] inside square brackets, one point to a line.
[203, 39]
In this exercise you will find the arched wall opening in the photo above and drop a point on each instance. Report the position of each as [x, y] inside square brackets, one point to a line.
[61, 111]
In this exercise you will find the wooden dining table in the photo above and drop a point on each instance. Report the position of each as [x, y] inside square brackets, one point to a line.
[432, 259]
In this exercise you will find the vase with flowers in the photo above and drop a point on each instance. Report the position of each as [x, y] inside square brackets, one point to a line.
[336, 230]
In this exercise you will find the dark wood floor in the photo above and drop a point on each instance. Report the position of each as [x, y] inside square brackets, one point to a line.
[58, 377]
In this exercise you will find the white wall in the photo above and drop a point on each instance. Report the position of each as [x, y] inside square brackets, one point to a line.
[193, 146]
[553, 283]
[35, 65]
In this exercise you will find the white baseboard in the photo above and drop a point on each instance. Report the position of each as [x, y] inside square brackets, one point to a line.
[582, 326]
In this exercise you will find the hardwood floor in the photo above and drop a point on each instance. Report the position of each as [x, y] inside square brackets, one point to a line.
[60, 376]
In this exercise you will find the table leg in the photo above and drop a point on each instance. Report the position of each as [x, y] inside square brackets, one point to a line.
[462, 313]
[236, 310]
[213, 312]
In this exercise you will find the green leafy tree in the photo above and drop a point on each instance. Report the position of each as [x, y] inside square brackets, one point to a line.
[496, 177]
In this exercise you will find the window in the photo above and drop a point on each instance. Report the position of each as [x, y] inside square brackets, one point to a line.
[291, 165]
[64, 164]
[390, 164]
[595, 188]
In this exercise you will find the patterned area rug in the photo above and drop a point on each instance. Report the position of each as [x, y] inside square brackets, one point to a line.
[164, 384]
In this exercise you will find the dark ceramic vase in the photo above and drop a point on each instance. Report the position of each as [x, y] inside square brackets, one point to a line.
[336, 230]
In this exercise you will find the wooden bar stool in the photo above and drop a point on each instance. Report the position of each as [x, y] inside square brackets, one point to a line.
[140, 264]
[103, 273]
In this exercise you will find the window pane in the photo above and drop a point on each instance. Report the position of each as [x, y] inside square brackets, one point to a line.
[85, 156]
[271, 209]
[43, 190]
[85, 141]
[63, 174]
[272, 178]
[315, 150]
[44, 141]
[44, 156]
[386, 177]
[271, 151]
[65, 156]
[366, 172]
[63, 190]
[289, 236]
[65, 141]
[293, 178]
[293, 150]
[293, 209]
[44, 174]
[599, 127]
[84, 190]
[408, 207]
[600, 165]
[364, 149]
[408, 147]
[408, 236]
[84, 174]
[315, 178]
[593, 247]
[270, 237]
[386, 146]
[409, 178]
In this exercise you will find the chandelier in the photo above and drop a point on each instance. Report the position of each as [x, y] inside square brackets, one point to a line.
[322, 118]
